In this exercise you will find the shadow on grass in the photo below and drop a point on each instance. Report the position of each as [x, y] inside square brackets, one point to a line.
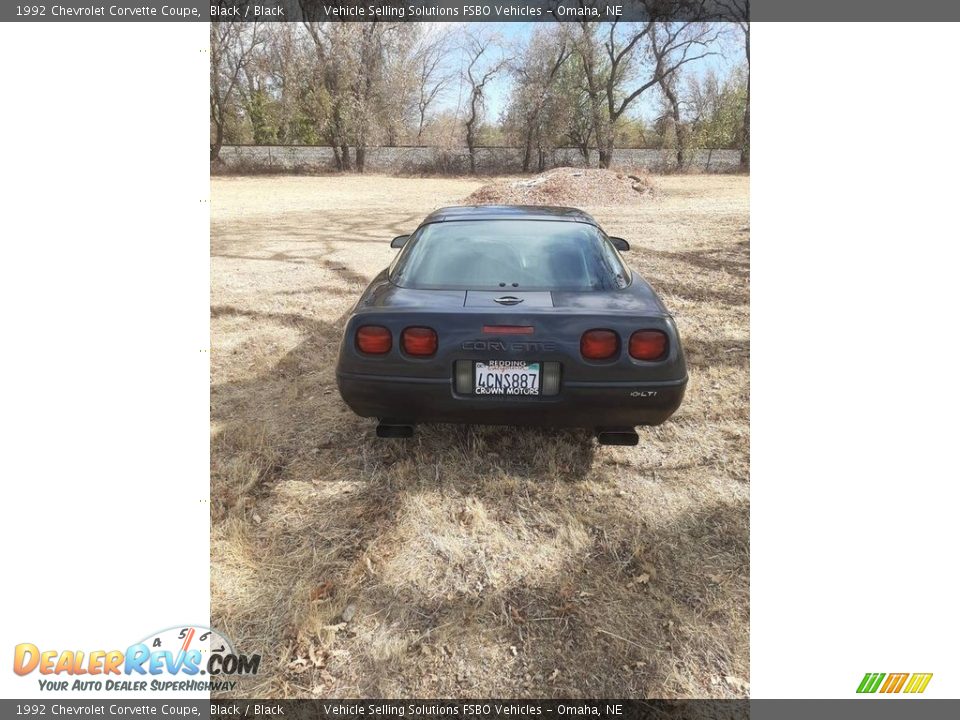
[493, 560]
[733, 259]
[374, 227]
[622, 609]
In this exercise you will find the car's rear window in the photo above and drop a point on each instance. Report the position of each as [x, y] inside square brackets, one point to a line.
[512, 254]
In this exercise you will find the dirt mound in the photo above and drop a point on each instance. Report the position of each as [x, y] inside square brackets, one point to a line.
[567, 186]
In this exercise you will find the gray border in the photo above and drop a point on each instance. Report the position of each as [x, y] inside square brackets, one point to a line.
[873, 708]
[758, 10]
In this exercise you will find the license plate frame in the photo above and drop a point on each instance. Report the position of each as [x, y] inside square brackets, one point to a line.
[528, 374]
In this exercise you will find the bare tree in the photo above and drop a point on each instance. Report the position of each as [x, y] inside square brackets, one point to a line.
[331, 73]
[714, 110]
[368, 66]
[592, 62]
[256, 87]
[283, 65]
[481, 67]
[568, 110]
[537, 71]
[580, 129]
[669, 45]
[739, 12]
[397, 85]
[231, 48]
[432, 77]
[351, 59]
[632, 62]
[341, 49]
[669, 87]
[356, 85]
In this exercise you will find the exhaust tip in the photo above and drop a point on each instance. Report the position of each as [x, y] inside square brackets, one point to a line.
[617, 436]
[391, 430]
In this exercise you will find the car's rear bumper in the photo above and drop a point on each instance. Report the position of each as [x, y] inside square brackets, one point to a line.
[582, 404]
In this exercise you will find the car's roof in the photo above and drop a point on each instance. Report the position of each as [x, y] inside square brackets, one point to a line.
[509, 212]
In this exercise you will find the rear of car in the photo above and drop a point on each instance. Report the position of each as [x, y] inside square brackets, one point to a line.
[512, 318]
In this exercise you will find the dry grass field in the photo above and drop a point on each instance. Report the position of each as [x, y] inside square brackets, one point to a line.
[470, 562]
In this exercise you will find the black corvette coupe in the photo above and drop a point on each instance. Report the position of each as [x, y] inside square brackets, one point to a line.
[511, 315]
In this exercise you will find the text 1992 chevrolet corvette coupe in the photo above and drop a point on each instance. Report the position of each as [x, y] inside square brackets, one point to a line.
[511, 315]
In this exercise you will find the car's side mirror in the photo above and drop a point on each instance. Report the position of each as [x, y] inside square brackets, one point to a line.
[399, 241]
[620, 244]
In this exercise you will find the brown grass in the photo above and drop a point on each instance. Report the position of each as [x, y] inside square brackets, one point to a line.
[470, 561]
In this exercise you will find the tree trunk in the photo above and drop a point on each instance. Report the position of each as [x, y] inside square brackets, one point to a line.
[335, 147]
[528, 149]
[606, 152]
[361, 156]
[598, 134]
[593, 89]
[681, 145]
[679, 131]
[745, 132]
[471, 143]
[217, 143]
[469, 125]
[423, 120]
[471, 150]
[345, 157]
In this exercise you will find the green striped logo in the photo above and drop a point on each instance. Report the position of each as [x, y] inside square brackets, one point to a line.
[895, 682]
[871, 682]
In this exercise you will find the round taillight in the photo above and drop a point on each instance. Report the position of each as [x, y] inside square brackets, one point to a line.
[419, 341]
[374, 339]
[599, 344]
[648, 345]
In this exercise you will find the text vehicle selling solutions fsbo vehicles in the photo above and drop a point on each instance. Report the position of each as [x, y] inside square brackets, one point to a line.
[511, 315]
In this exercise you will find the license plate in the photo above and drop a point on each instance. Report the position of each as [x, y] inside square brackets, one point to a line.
[506, 377]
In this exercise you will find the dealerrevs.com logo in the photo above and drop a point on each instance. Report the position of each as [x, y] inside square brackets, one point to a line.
[910, 683]
[182, 659]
